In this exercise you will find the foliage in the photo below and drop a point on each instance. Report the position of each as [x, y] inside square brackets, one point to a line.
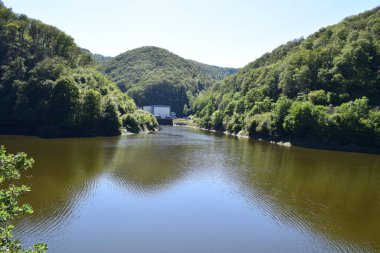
[317, 97]
[11, 167]
[324, 87]
[140, 121]
[152, 75]
[50, 87]
[301, 119]
[110, 122]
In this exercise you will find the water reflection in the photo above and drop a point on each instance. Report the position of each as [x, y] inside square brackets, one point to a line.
[63, 176]
[333, 194]
[330, 199]
[143, 165]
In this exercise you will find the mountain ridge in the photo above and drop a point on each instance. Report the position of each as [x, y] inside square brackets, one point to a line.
[153, 75]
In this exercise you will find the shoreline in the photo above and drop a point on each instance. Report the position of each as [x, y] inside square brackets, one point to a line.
[285, 142]
[126, 133]
[298, 142]
[123, 132]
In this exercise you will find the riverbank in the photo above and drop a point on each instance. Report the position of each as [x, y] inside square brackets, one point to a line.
[289, 142]
[184, 122]
[125, 132]
[69, 134]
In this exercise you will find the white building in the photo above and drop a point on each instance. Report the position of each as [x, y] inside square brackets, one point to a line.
[162, 111]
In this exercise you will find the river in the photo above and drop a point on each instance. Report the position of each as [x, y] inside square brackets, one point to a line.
[184, 190]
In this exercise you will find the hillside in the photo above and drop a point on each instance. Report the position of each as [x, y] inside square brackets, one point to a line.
[101, 59]
[152, 75]
[49, 86]
[325, 87]
[213, 72]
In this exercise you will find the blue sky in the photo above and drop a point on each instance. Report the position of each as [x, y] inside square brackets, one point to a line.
[218, 32]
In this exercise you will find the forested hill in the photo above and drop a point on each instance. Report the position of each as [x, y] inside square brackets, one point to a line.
[324, 87]
[212, 72]
[49, 86]
[152, 75]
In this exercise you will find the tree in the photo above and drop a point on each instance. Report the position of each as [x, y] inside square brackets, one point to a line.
[300, 120]
[91, 111]
[217, 120]
[317, 97]
[280, 111]
[64, 103]
[110, 123]
[131, 123]
[11, 167]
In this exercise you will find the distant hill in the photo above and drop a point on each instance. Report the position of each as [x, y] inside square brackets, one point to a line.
[213, 72]
[49, 86]
[152, 75]
[101, 59]
[325, 87]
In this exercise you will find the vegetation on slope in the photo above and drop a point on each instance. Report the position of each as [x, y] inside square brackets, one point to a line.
[101, 59]
[325, 87]
[152, 75]
[212, 72]
[49, 86]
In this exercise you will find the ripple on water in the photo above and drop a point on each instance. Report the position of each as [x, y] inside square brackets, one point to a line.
[219, 189]
[54, 217]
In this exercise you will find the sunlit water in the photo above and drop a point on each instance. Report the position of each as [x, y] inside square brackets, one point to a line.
[184, 190]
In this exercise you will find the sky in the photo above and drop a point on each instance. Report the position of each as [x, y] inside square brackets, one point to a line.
[218, 32]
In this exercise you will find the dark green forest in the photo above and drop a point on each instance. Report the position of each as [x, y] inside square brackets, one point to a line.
[152, 75]
[325, 87]
[50, 87]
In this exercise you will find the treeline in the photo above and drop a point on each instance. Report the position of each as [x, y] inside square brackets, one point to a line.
[325, 87]
[49, 86]
[152, 75]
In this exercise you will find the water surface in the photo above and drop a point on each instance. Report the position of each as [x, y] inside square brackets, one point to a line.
[183, 190]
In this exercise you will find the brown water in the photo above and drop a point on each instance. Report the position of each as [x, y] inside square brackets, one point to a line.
[183, 190]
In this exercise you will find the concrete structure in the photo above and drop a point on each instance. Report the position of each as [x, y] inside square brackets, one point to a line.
[160, 111]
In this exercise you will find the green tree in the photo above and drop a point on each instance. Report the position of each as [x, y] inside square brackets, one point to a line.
[131, 123]
[64, 103]
[11, 167]
[110, 122]
[317, 97]
[217, 120]
[350, 121]
[280, 111]
[90, 113]
[300, 120]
